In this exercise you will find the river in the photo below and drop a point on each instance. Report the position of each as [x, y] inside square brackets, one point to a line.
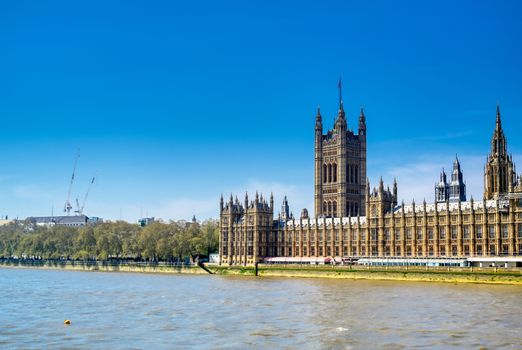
[136, 311]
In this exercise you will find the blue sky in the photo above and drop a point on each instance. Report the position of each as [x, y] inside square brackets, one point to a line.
[174, 103]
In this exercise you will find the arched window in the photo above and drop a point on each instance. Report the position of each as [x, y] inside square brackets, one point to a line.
[334, 209]
[324, 173]
[329, 172]
[335, 172]
[356, 174]
[325, 208]
[329, 208]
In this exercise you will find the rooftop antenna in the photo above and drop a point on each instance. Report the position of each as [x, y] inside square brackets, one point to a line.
[67, 207]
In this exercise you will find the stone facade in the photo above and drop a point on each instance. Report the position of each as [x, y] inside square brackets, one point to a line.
[380, 226]
[340, 167]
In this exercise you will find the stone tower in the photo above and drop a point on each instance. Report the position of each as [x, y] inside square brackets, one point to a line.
[340, 167]
[457, 187]
[442, 189]
[499, 172]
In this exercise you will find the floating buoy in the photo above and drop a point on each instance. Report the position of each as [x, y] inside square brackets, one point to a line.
[67, 322]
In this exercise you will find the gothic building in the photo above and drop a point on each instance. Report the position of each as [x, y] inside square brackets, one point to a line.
[455, 191]
[340, 166]
[352, 220]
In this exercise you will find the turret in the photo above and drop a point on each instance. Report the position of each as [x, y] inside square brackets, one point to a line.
[362, 124]
[395, 197]
[318, 122]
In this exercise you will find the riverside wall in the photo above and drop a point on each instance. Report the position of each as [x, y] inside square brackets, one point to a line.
[395, 273]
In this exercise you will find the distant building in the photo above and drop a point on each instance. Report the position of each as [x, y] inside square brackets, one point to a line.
[146, 221]
[71, 221]
[454, 191]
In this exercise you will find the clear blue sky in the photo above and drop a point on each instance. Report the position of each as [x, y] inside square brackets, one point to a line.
[173, 103]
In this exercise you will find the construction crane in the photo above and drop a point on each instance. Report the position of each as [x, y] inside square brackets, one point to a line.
[67, 207]
[79, 210]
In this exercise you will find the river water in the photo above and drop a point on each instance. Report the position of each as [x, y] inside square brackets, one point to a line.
[136, 311]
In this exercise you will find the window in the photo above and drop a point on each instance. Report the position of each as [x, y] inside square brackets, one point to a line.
[430, 251]
[492, 250]
[408, 234]
[398, 250]
[491, 231]
[419, 234]
[430, 234]
[466, 249]
[325, 174]
[334, 172]
[478, 231]
[442, 233]
[454, 250]
[312, 251]
[466, 231]
[442, 250]
[397, 234]
[504, 231]
[374, 234]
[519, 230]
[479, 249]
[387, 234]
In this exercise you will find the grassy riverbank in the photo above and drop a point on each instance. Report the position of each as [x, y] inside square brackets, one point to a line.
[420, 274]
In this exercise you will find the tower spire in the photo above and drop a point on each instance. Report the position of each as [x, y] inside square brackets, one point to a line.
[340, 86]
[498, 122]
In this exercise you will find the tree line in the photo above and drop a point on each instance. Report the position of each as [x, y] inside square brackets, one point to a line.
[173, 241]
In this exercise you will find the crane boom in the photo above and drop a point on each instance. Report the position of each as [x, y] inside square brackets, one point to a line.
[80, 208]
[67, 207]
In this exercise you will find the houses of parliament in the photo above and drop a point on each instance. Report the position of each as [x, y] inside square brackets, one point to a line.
[354, 220]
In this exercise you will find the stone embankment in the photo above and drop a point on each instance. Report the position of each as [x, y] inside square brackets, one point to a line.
[355, 272]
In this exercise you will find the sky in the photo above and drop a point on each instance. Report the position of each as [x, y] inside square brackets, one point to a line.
[173, 103]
